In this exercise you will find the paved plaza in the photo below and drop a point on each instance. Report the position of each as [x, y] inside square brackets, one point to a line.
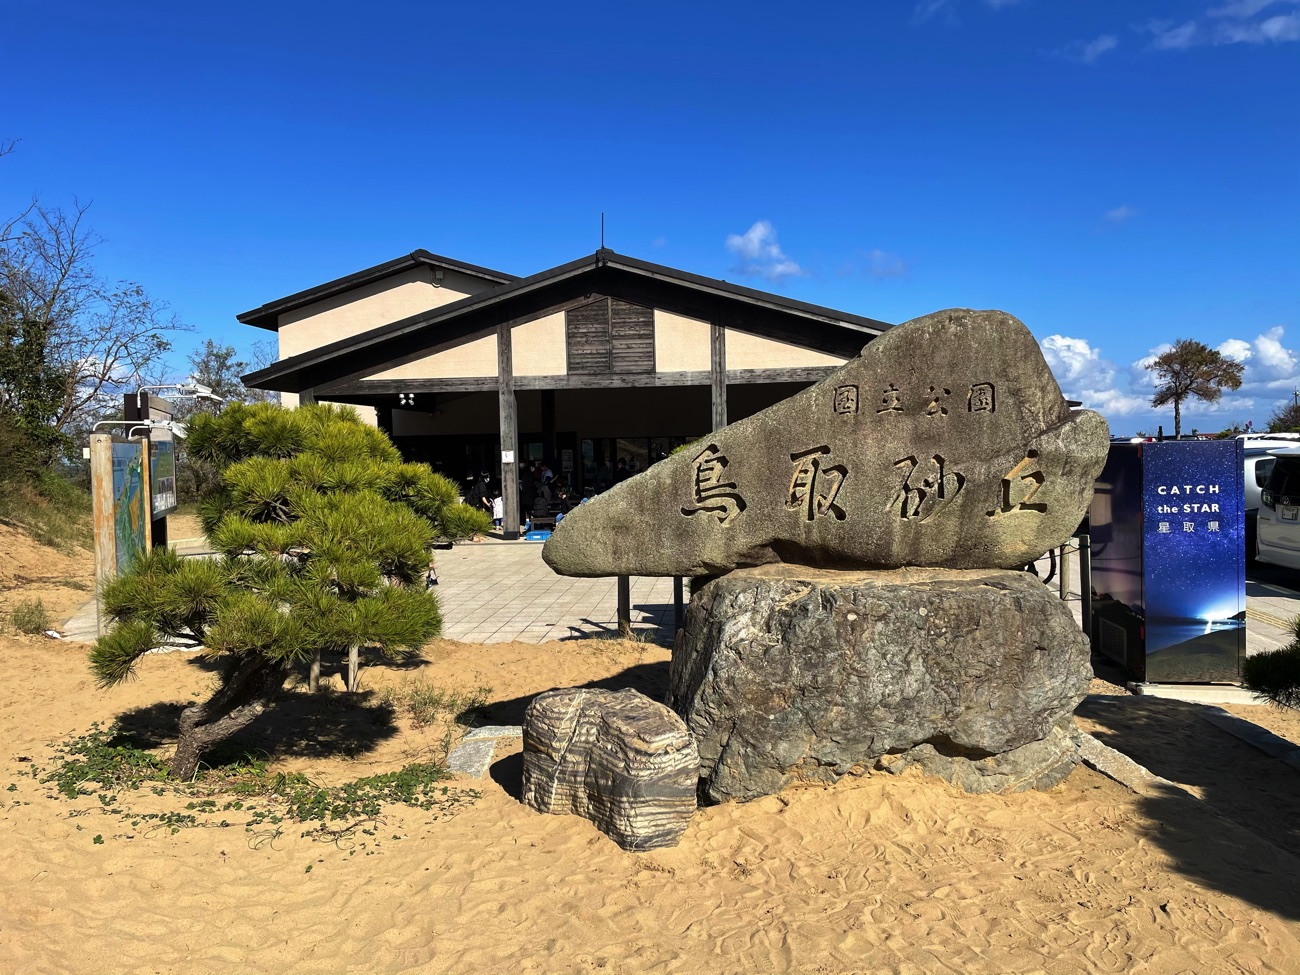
[495, 592]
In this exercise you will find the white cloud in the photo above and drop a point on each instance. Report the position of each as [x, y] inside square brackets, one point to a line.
[760, 255]
[1120, 214]
[1275, 358]
[1236, 349]
[1273, 30]
[1166, 36]
[1084, 375]
[1087, 52]
[1244, 9]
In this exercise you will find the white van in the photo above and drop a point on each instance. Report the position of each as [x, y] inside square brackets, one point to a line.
[1277, 534]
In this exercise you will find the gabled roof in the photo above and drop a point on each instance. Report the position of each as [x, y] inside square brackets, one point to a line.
[603, 273]
[268, 315]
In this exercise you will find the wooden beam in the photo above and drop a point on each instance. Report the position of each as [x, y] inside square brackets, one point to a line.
[391, 387]
[508, 409]
[718, 373]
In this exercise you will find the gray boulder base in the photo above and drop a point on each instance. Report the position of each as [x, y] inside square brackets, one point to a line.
[945, 443]
[789, 675]
[616, 758]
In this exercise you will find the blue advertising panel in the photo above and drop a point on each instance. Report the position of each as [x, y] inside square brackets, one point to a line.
[1193, 542]
[130, 507]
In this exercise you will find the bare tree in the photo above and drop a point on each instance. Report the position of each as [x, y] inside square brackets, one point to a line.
[1192, 368]
[101, 338]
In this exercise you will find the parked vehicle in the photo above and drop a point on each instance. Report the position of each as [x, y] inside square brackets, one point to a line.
[1259, 462]
[1277, 536]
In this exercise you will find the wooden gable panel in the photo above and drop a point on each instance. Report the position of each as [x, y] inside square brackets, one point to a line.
[586, 331]
[632, 337]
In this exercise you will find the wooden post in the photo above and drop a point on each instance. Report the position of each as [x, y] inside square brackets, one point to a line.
[1065, 570]
[679, 612]
[509, 433]
[313, 675]
[146, 487]
[101, 502]
[718, 374]
[548, 431]
[306, 397]
[353, 667]
[624, 607]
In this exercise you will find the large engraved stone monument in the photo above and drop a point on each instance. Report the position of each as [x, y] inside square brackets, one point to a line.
[863, 536]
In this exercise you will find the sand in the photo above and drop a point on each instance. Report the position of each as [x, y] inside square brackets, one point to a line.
[877, 874]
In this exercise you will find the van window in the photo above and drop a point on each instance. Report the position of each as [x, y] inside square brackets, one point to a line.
[1262, 469]
[1285, 477]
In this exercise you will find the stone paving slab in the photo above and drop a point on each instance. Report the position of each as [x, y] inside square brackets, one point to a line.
[472, 757]
[495, 731]
[501, 592]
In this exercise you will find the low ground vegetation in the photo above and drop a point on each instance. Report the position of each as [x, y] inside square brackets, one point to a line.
[30, 617]
[126, 781]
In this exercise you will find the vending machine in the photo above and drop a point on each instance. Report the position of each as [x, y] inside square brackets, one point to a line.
[1169, 561]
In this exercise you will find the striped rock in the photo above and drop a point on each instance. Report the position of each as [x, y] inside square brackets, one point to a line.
[614, 757]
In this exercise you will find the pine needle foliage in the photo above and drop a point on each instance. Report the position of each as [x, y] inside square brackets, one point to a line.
[323, 537]
[1275, 675]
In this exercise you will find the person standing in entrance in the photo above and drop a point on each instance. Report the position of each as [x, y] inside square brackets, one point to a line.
[481, 494]
[621, 473]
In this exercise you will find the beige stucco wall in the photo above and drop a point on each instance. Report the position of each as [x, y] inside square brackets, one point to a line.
[681, 344]
[476, 358]
[745, 351]
[537, 348]
[378, 303]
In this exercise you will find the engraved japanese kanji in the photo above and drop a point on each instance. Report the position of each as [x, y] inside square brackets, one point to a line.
[1019, 487]
[710, 491]
[927, 489]
[814, 485]
[846, 399]
[981, 399]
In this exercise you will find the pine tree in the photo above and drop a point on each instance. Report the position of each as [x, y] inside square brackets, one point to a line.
[1192, 368]
[324, 538]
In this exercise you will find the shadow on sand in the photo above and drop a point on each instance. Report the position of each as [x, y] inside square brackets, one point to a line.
[321, 725]
[650, 679]
[1243, 836]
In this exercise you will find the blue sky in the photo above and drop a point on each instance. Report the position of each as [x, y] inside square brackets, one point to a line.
[1117, 175]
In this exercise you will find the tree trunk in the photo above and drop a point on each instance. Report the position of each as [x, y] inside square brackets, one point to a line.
[247, 691]
[353, 668]
[1178, 421]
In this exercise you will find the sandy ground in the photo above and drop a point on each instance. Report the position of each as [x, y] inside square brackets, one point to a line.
[878, 874]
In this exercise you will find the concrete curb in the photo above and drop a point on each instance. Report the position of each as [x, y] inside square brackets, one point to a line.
[1252, 734]
[1118, 766]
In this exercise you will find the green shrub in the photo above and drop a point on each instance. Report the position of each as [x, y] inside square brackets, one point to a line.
[30, 617]
[325, 537]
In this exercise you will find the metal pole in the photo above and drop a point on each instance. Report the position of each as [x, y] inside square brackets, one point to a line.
[1085, 581]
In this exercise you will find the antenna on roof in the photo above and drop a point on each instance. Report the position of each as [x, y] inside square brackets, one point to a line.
[602, 229]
